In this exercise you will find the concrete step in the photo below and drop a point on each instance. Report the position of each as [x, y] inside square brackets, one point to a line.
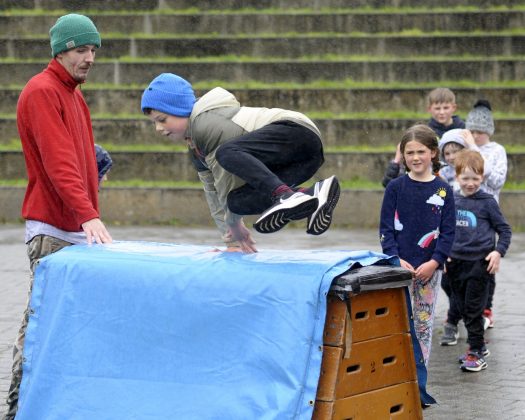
[283, 46]
[175, 166]
[79, 5]
[409, 70]
[187, 207]
[264, 23]
[334, 100]
[337, 132]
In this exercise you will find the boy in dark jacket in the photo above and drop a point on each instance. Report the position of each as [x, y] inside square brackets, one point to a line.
[475, 255]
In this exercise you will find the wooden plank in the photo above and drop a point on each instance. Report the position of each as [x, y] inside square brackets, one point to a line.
[323, 410]
[330, 367]
[397, 402]
[373, 364]
[334, 326]
[373, 314]
[376, 364]
[378, 313]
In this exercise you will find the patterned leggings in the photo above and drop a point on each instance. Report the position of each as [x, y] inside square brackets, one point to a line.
[424, 298]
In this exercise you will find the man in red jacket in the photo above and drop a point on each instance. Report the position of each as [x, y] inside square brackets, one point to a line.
[61, 201]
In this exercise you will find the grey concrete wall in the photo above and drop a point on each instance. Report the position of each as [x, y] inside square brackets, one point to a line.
[335, 100]
[395, 70]
[284, 46]
[175, 166]
[337, 132]
[237, 4]
[187, 207]
[255, 23]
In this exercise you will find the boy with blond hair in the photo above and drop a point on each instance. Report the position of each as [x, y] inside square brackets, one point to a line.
[441, 105]
[475, 255]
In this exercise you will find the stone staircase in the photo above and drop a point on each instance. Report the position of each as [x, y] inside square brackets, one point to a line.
[360, 69]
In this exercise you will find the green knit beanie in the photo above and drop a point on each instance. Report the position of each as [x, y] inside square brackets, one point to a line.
[72, 31]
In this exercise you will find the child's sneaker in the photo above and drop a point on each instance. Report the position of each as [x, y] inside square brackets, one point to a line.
[450, 335]
[290, 206]
[327, 192]
[488, 321]
[474, 362]
[485, 352]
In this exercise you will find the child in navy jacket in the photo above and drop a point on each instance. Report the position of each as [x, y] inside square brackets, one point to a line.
[417, 224]
[475, 255]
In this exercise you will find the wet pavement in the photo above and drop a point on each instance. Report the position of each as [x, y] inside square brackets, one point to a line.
[497, 392]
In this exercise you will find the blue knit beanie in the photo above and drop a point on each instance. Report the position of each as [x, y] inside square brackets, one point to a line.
[170, 94]
[72, 31]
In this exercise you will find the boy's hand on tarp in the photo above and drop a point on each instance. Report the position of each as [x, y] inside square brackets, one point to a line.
[242, 235]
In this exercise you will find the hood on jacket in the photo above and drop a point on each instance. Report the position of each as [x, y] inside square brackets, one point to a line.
[478, 195]
[215, 98]
[452, 136]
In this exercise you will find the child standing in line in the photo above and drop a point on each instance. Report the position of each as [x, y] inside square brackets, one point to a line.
[452, 142]
[475, 255]
[481, 124]
[417, 224]
[441, 105]
[449, 145]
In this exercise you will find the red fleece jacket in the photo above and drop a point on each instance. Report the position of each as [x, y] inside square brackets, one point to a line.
[57, 138]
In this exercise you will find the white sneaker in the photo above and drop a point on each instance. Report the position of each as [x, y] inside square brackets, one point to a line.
[291, 206]
[327, 192]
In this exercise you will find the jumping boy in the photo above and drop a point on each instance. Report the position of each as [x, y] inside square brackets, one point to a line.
[475, 255]
[250, 160]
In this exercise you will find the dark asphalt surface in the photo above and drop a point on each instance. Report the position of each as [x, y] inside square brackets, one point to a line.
[495, 393]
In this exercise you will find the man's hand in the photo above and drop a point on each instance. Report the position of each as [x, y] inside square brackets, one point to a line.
[242, 234]
[97, 232]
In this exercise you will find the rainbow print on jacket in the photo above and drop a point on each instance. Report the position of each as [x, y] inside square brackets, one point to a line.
[427, 238]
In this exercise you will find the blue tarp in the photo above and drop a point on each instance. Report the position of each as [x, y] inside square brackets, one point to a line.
[138, 330]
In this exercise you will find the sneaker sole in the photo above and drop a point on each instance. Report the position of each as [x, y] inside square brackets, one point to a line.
[276, 218]
[474, 369]
[320, 220]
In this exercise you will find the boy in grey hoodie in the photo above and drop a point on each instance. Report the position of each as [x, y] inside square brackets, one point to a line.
[250, 160]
